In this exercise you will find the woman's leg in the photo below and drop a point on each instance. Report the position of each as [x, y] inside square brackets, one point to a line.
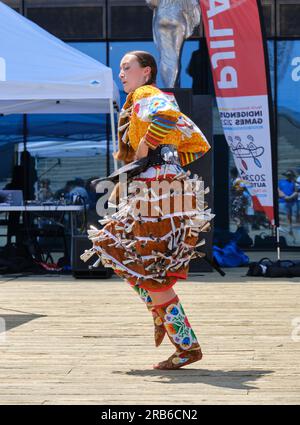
[178, 328]
[162, 296]
[159, 329]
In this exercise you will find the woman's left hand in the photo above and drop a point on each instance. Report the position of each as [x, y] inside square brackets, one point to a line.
[142, 150]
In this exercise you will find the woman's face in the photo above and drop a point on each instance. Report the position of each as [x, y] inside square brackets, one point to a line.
[132, 75]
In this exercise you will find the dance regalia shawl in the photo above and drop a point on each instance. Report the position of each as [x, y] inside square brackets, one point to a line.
[153, 249]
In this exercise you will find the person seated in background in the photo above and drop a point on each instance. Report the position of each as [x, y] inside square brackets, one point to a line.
[44, 192]
[288, 197]
[241, 201]
[78, 190]
[63, 194]
[71, 190]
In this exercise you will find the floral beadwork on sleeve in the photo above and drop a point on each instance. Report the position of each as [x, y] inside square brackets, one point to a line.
[156, 117]
[157, 103]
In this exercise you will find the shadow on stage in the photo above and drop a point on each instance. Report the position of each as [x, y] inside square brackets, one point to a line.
[234, 379]
[14, 320]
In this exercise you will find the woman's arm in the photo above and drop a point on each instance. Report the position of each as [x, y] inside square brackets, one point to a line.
[281, 194]
[142, 149]
[160, 127]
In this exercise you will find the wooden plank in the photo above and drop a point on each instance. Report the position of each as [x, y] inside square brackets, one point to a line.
[91, 342]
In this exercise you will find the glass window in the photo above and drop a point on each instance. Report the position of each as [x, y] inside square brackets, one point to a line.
[288, 137]
[78, 139]
[71, 126]
[244, 211]
[11, 128]
[289, 18]
[97, 50]
[270, 47]
[14, 4]
[268, 17]
[11, 133]
[69, 19]
[128, 21]
[190, 46]
[7, 160]
[66, 160]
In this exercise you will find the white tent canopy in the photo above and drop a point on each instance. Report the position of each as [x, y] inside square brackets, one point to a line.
[41, 74]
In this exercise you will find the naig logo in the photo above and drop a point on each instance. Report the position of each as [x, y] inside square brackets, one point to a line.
[2, 69]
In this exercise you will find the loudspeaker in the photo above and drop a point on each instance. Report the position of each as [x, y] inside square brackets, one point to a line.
[80, 269]
[199, 109]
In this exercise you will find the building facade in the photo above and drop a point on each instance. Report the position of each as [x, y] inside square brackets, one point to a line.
[105, 30]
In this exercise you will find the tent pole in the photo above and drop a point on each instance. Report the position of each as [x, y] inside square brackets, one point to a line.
[24, 159]
[113, 131]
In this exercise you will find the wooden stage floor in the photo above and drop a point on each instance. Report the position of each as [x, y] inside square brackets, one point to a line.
[91, 342]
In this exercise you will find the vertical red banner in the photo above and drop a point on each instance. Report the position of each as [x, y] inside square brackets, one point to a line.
[236, 50]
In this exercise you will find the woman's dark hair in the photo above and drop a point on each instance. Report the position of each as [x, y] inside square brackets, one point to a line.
[145, 59]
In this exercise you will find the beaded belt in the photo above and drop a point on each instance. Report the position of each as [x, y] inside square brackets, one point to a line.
[163, 154]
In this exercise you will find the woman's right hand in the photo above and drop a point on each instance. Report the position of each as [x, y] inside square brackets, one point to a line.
[142, 150]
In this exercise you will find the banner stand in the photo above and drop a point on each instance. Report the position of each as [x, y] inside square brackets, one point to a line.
[277, 243]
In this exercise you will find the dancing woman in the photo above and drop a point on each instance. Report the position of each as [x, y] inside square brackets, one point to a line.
[152, 249]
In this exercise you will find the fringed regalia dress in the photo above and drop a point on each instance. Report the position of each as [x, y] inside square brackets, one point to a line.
[154, 234]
